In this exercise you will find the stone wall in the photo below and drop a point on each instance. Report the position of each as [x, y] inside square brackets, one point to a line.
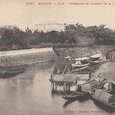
[26, 57]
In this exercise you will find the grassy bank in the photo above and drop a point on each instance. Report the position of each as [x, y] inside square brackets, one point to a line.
[83, 51]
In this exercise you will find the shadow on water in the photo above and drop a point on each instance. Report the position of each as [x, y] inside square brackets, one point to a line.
[68, 102]
[81, 100]
[8, 75]
[54, 93]
[40, 66]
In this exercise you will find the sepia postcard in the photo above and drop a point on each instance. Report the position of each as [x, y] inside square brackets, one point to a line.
[57, 57]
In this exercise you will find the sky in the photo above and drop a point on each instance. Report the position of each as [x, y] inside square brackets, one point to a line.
[20, 13]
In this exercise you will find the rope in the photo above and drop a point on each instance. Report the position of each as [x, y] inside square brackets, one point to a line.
[65, 69]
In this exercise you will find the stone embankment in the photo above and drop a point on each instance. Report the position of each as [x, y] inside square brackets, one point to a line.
[26, 57]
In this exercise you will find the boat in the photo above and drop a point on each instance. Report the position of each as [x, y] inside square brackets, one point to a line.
[91, 85]
[74, 95]
[86, 63]
[103, 97]
[81, 62]
[81, 65]
[84, 89]
[110, 87]
[98, 59]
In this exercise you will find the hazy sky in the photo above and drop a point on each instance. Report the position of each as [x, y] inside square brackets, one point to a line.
[17, 12]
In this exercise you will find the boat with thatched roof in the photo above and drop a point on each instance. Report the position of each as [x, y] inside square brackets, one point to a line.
[84, 89]
[103, 97]
[98, 58]
[81, 62]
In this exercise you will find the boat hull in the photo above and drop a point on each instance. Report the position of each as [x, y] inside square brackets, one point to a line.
[79, 66]
[74, 96]
[103, 104]
[98, 62]
[85, 68]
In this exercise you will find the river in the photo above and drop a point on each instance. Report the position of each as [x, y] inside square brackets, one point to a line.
[29, 93]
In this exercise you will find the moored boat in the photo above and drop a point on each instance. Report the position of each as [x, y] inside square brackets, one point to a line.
[103, 97]
[91, 85]
[74, 95]
[84, 89]
[98, 59]
[81, 62]
[110, 87]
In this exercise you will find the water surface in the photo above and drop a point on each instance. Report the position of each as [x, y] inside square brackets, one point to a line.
[29, 93]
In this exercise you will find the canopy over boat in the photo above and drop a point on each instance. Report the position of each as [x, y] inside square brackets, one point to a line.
[81, 62]
[104, 96]
[111, 86]
[68, 57]
[113, 83]
[83, 58]
[96, 56]
[69, 77]
[89, 86]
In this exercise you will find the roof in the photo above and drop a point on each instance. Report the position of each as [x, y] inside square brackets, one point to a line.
[104, 96]
[96, 55]
[113, 82]
[67, 57]
[83, 58]
[69, 77]
[86, 87]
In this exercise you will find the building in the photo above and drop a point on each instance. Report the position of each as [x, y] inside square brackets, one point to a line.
[112, 55]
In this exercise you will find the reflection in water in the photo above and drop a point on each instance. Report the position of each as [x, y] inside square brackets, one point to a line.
[30, 94]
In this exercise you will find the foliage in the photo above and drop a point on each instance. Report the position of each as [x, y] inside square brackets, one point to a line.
[73, 35]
